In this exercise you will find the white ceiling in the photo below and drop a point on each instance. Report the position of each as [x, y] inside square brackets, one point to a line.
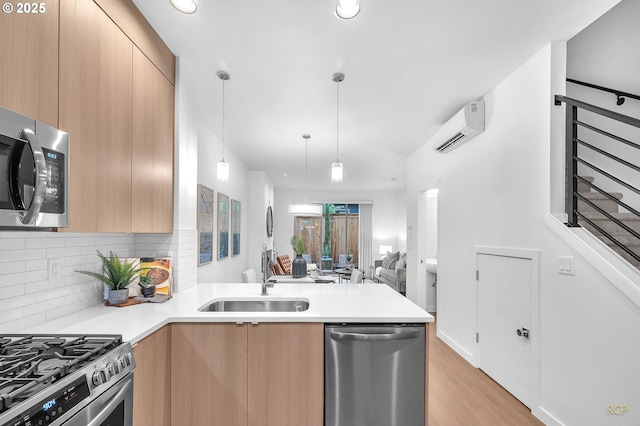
[409, 65]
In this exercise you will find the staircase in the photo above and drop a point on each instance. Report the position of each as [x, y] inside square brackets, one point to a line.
[601, 221]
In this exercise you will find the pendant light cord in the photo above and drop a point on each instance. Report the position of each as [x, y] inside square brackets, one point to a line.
[306, 168]
[337, 120]
[223, 121]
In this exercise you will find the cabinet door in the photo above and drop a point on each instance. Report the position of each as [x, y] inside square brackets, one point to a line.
[95, 109]
[152, 380]
[152, 148]
[209, 374]
[29, 61]
[286, 374]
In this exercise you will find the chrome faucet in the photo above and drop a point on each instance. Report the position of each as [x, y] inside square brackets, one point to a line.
[265, 265]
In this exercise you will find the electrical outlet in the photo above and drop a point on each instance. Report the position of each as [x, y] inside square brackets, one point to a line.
[55, 270]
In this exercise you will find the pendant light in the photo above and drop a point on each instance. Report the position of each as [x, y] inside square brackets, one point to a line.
[305, 209]
[347, 9]
[337, 167]
[185, 6]
[223, 166]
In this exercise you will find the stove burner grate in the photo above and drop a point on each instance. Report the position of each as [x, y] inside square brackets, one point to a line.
[28, 364]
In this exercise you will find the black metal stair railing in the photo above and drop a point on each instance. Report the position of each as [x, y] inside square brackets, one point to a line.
[574, 158]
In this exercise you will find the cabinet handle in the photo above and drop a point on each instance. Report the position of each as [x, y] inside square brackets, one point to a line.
[365, 337]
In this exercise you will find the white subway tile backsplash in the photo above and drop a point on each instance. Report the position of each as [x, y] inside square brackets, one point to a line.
[24, 322]
[80, 241]
[36, 286]
[12, 244]
[44, 242]
[35, 265]
[11, 314]
[22, 278]
[12, 268]
[22, 300]
[42, 306]
[27, 298]
[10, 292]
[17, 255]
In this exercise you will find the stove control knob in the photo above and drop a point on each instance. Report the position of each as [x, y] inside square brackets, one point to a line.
[114, 368]
[125, 360]
[100, 376]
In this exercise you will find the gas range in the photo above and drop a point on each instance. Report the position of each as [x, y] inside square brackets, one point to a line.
[47, 379]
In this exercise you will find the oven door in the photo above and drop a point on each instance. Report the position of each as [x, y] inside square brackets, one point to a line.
[112, 408]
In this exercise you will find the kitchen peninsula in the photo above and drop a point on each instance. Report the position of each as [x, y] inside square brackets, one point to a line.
[237, 367]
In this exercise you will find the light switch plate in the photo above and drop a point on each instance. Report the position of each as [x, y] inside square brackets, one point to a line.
[566, 265]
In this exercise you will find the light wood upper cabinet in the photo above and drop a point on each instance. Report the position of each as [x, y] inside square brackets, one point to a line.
[152, 148]
[209, 374]
[29, 62]
[137, 28]
[286, 374]
[96, 110]
[119, 111]
[152, 380]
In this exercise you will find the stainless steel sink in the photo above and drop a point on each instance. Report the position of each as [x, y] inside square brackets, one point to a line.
[256, 305]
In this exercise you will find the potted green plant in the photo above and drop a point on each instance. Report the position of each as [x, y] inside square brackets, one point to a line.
[116, 276]
[146, 285]
[298, 265]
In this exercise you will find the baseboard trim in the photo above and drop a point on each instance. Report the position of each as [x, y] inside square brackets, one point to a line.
[546, 418]
[468, 356]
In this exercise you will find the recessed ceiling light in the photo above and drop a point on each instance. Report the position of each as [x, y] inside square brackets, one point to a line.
[185, 6]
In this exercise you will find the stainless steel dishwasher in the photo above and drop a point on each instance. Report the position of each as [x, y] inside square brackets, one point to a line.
[374, 374]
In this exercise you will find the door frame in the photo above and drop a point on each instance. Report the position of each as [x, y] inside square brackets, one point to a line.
[534, 256]
[420, 230]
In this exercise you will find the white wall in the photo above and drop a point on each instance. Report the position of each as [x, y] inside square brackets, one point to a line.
[389, 215]
[495, 191]
[261, 197]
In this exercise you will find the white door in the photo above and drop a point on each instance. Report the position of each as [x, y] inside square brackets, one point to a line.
[504, 322]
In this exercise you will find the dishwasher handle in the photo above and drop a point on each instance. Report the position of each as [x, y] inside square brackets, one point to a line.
[375, 337]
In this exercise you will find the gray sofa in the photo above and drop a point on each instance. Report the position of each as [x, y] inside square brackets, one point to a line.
[392, 271]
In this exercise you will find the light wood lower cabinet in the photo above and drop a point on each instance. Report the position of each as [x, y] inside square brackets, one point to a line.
[209, 374]
[152, 380]
[286, 374]
[268, 374]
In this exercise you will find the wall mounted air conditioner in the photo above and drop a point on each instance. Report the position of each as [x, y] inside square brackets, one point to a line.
[462, 127]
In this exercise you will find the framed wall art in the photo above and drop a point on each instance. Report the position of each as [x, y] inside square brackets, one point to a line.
[223, 226]
[205, 225]
[235, 227]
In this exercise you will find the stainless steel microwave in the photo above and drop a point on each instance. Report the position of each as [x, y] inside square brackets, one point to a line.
[34, 173]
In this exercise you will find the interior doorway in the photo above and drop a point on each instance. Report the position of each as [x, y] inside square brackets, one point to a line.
[427, 247]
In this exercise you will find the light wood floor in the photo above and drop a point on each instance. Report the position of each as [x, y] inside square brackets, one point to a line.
[460, 394]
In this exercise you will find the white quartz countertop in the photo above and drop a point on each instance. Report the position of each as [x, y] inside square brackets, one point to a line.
[353, 303]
